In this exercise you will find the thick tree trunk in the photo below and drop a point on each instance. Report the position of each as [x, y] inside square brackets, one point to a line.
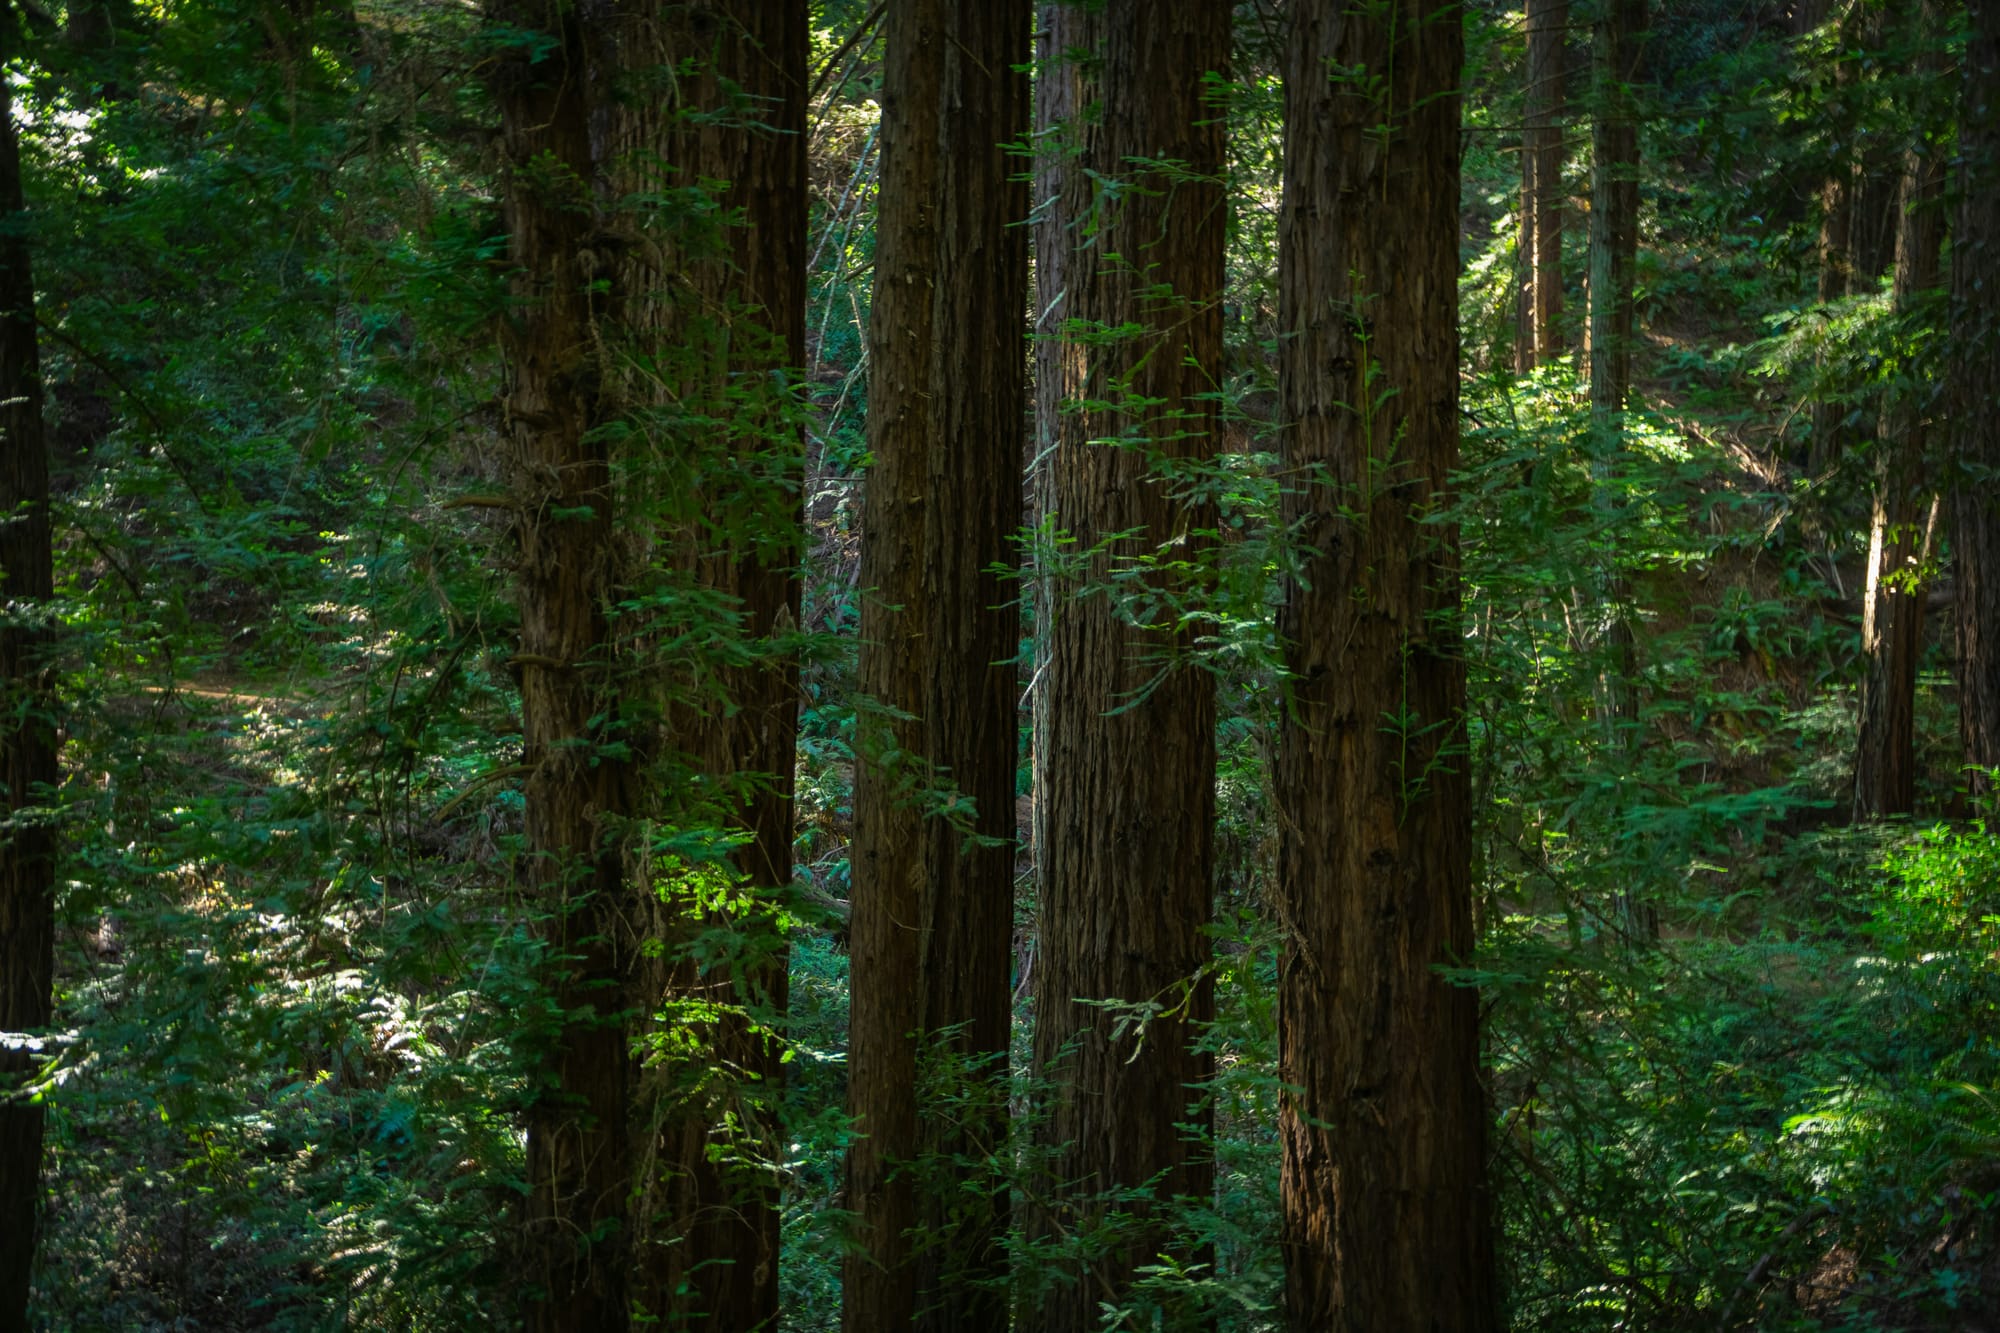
[1125, 759]
[1541, 181]
[1902, 525]
[28, 742]
[579, 1158]
[1616, 48]
[1975, 390]
[878, 1288]
[654, 454]
[932, 927]
[1386, 1221]
[713, 111]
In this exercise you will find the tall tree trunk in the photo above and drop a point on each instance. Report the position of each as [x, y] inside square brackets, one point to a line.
[1901, 529]
[1541, 180]
[1616, 52]
[1125, 759]
[878, 1288]
[637, 318]
[714, 107]
[579, 1154]
[1616, 48]
[28, 742]
[1386, 1214]
[932, 927]
[1877, 189]
[1975, 389]
[1836, 230]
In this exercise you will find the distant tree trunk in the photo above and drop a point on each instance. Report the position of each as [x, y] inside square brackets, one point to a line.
[1877, 184]
[1902, 523]
[579, 1152]
[1386, 1213]
[1975, 389]
[1836, 234]
[932, 927]
[1616, 52]
[1125, 760]
[714, 103]
[1541, 182]
[1614, 204]
[28, 741]
[89, 26]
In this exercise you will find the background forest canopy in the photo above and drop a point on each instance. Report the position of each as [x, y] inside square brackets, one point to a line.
[754, 664]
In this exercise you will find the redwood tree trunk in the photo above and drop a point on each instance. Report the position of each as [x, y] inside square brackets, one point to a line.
[1541, 181]
[1386, 1213]
[1614, 203]
[718, 89]
[933, 855]
[579, 1158]
[654, 453]
[28, 742]
[1900, 532]
[1125, 751]
[1616, 50]
[1836, 231]
[887, 855]
[1975, 386]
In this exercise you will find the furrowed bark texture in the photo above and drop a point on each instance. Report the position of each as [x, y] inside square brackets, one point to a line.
[1386, 1212]
[711, 111]
[655, 466]
[878, 1288]
[1614, 200]
[932, 927]
[1125, 754]
[1541, 181]
[28, 743]
[1901, 529]
[1975, 428]
[579, 1150]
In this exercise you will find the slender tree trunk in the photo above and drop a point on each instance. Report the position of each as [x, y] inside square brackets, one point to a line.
[1877, 189]
[1125, 761]
[1614, 204]
[712, 111]
[579, 1158]
[1386, 1214]
[28, 742]
[1836, 234]
[1616, 52]
[932, 927]
[1975, 388]
[1541, 185]
[1903, 518]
